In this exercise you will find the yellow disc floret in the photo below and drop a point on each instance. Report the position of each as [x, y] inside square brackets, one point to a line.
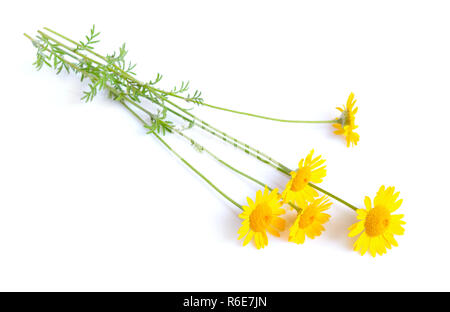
[377, 221]
[301, 179]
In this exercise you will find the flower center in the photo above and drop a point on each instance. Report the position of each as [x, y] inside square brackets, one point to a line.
[305, 220]
[377, 221]
[260, 218]
[346, 118]
[301, 179]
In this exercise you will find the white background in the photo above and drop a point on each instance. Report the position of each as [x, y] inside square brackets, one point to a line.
[89, 202]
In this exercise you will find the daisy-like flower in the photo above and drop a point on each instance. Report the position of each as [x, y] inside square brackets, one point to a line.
[309, 221]
[345, 125]
[260, 216]
[377, 223]
[298, 190]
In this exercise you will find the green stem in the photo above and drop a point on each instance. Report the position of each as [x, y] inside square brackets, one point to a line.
[333, 196]
[75, 67]
[203, 149]
[198, 172]
[184, 160]
[167, 125]
[268, 118]
[123, 73]
[182, 97]
[245, 147]
[230, 140]
[200, 123]
[251, 114]
[193, 142]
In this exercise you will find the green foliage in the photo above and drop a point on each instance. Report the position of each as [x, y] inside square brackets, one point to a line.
[183, 88]
[195, 98]
[117, 58]
[90, 40]
[41, 57]
[157, 79]
[55, 57]
[113, 73]
[159, 124]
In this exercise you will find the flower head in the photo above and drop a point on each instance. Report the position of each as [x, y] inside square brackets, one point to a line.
[345, 124]
[298, 190]
[260, 216]
[309, 221]
[377, 223]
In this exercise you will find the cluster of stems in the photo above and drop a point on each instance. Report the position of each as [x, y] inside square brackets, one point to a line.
[111, 74]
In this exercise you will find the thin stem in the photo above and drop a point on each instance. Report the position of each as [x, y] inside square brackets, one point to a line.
[184, 98]
[231, 140]
[203, 149]
[28, 36]
[254, 115]
[205, 126]
[198, 172]
[266, 117]
[184, 160]
[333, 196]
[133, 112]
[123, 73]
[193, 142]
[156, 135]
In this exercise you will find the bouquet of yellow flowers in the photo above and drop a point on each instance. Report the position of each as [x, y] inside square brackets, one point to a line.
[160, 113]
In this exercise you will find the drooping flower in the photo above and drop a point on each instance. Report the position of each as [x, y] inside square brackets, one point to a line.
[345, 125]
[310, 220]
[348, 132]
[261, 216]
[377, 223]
[298, 190]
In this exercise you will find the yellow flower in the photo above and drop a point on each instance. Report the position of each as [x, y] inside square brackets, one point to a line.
[345, 124]
[260, 216]
[309, 221]
[298, 190]
[348, 131]
[378, 224]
